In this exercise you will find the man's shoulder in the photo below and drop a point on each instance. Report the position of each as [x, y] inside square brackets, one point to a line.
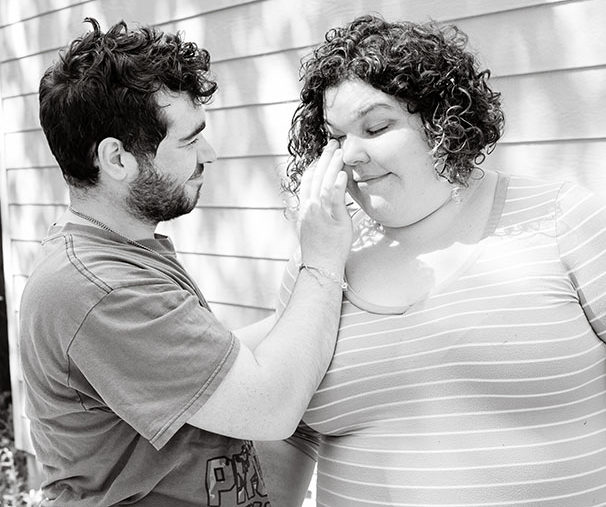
[80, 269]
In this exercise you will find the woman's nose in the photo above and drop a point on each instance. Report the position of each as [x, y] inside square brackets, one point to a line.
[354, 151]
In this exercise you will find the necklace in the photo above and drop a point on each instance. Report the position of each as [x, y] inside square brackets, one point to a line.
[106, 227]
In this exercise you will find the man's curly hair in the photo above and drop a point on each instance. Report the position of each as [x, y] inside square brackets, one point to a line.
[104, 85]
[426, 67]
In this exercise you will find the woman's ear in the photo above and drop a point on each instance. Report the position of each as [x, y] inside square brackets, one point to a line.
[115, 162]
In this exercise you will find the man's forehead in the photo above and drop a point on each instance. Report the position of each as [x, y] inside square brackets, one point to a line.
[185, 117]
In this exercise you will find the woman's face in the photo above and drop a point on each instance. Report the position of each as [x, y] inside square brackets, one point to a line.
[386, 155]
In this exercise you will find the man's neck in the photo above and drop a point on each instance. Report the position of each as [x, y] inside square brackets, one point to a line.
[113, 217]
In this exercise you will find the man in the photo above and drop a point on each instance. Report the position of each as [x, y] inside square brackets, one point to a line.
[136, 393]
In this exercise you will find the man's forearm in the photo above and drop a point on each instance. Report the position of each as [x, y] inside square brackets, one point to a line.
[253, 334]
[300, 346]
[266, 391]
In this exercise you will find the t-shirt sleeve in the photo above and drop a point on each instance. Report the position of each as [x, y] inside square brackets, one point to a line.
[581, 234]
[154, 354]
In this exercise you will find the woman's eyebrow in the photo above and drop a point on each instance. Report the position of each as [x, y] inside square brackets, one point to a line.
[364, 110]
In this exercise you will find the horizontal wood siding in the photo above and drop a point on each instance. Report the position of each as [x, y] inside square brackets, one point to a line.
[548, 58]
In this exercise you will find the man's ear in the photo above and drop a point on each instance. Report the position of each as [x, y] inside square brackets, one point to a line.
[115, 161]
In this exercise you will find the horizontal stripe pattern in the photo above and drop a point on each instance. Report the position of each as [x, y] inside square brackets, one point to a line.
[490, 392]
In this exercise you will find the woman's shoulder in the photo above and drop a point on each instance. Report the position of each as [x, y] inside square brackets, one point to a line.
[521, 187]
[531, 200]
[522, 184]
[524, 199]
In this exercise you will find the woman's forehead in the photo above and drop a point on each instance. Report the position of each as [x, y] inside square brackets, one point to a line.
[352, 100]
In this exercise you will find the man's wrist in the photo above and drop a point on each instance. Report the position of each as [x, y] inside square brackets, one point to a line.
[323, 275]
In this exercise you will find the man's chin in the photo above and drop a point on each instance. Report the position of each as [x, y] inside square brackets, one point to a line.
[191, 203]
[167, 213]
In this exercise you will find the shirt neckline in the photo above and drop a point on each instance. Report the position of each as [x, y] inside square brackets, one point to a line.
[500, 194]
[160, 243]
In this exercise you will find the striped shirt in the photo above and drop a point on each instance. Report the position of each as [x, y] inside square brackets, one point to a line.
[492, 391]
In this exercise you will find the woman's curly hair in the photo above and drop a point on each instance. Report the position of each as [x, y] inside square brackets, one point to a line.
[426, 67]
[104, 85]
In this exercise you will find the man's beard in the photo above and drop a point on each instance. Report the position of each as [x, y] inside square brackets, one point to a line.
[156, 198]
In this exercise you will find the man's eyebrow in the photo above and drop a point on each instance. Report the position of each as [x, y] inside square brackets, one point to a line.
[199, 128]
[364, 110]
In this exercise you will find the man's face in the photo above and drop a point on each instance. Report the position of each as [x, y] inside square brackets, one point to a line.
[169, 185]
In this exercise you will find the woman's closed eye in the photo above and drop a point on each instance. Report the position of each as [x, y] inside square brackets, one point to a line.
[377, 129]
[370, 131]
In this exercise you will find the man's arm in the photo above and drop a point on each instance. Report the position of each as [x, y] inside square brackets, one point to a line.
[266, 391]
[255, 333]
[287, 472]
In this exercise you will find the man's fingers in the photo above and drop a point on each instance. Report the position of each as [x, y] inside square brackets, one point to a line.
[324, 183]
[321, 167]
[330, 175]
[306, 179]
[339, 210]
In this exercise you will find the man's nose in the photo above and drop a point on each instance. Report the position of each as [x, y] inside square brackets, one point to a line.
[206, 153]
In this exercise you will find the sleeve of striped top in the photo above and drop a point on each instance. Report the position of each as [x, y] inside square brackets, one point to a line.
[581, 235]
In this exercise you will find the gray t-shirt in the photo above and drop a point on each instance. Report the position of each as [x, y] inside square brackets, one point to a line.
[119, 349]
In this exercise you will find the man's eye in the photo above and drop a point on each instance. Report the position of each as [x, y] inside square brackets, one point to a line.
[193, 141]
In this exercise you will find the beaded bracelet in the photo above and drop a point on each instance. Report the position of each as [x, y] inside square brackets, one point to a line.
[329, 275]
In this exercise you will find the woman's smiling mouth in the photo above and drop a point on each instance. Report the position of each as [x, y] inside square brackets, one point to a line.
[369, 179]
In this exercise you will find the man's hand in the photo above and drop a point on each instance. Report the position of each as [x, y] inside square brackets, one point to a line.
[325, 229]
[266, 391]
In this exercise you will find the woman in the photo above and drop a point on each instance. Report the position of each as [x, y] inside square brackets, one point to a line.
[470, 367]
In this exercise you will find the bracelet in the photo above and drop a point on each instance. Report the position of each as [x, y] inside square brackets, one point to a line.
[329, 275]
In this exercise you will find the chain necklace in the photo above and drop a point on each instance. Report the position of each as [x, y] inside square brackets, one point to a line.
[106, 227]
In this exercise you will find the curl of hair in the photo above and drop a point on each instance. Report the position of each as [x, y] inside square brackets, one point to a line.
[104, 85]
[426, 67]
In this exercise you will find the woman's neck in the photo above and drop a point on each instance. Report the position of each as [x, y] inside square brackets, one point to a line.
[455, 220]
